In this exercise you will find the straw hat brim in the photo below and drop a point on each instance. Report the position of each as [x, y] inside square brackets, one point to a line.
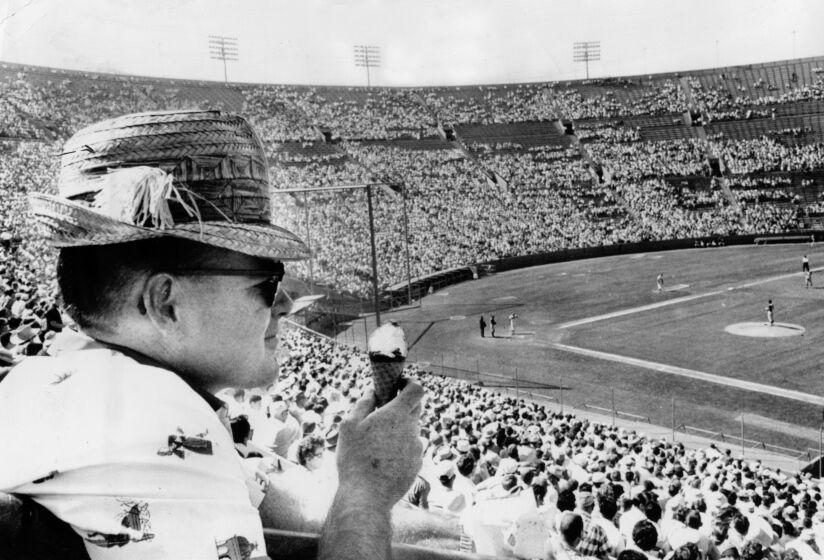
[71, 224]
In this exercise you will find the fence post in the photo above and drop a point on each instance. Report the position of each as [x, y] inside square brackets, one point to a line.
[673, 419]
[561, 393]
[443, 369]
[612, 390]
[517, 389]
[819, 451]
[742, 434]
[478, 371]
[365, 335]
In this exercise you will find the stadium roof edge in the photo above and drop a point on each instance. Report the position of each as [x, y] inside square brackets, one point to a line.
[30, 68]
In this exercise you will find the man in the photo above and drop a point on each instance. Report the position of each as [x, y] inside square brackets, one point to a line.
[280, 431]
[465, 465]
[563, 544]
[593, 541]
[443, 495]
[603, 516]
[492, 324]
[805, 264]
[170, 266]
[512, 317]
[808, 279]
[482, 324]
[630, 515]
[770, 310]
[660, 281]
[256, 415]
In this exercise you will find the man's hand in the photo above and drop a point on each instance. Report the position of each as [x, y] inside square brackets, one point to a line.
[379, 455]
[379, 452]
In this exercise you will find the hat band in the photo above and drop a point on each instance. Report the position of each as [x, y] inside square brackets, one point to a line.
[76, 180]
[239, 200]
[216, 201]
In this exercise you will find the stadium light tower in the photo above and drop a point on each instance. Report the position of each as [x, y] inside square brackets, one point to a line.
[367, 56]
[223, 48]
[584, 51]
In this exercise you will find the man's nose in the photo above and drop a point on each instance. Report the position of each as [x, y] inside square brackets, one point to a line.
[282, 307]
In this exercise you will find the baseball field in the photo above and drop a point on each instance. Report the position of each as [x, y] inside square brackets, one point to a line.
[697, 355]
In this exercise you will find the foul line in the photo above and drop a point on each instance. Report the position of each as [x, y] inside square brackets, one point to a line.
[675, 301]
[694, 374]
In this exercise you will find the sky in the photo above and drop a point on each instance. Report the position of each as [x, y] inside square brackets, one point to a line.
[421, 42]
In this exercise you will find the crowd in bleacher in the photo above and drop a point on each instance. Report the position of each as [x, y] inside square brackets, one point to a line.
[303, 112]
[753, 100]
[766, 154]
[607, 134]
[497, 200]
[653, 98]
[524, 480]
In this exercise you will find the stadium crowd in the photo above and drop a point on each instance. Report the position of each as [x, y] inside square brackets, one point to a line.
[527, 481]
[498, 199]
[753, 100]
[658, 97]
[766, 154]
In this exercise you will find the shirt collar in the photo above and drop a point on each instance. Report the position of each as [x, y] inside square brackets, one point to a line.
[71, 341]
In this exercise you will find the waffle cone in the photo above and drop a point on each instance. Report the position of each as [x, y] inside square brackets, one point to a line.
[387, 379]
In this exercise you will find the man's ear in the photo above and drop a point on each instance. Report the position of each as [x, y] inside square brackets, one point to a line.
[160, 298]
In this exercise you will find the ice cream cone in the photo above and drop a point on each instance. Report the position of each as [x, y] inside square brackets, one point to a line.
[387, 354]
[386, 377]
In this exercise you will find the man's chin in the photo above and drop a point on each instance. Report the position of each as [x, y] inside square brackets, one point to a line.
[268, 375]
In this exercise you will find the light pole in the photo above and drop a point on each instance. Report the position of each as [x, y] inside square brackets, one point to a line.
[398, 186]
[374, 256]
[368, 188]
[367, 56]
[309, 241]
[223, 48]
[406, 245]
[584, 51]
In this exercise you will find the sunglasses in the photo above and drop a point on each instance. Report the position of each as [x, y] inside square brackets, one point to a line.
[268, 288]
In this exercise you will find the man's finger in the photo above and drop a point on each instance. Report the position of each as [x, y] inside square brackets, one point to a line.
[363, 407]
[410, 395]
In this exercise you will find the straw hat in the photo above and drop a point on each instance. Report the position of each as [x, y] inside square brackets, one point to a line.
[196, 175]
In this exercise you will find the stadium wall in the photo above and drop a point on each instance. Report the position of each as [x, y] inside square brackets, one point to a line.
[420, 286]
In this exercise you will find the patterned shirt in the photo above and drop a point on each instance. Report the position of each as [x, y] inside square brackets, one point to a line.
[594, 540]
[132, 457]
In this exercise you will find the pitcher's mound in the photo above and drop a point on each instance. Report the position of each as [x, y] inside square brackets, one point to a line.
[764, 330]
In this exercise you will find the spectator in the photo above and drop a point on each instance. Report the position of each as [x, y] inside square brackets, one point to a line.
[207, 334]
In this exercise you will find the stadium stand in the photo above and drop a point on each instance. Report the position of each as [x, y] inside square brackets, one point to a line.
[355, 134]
[513, 183]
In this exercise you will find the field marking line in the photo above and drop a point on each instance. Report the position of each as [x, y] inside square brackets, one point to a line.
[639, 309]
[693, 374]
[675, 301]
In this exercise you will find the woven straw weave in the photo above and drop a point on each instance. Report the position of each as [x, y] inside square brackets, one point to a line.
[217, 162]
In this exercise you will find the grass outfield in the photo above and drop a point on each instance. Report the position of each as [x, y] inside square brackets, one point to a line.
[688, 334]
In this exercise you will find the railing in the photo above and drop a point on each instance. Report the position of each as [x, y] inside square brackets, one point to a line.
[807, 454]
[656, 416]
[289, 545]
